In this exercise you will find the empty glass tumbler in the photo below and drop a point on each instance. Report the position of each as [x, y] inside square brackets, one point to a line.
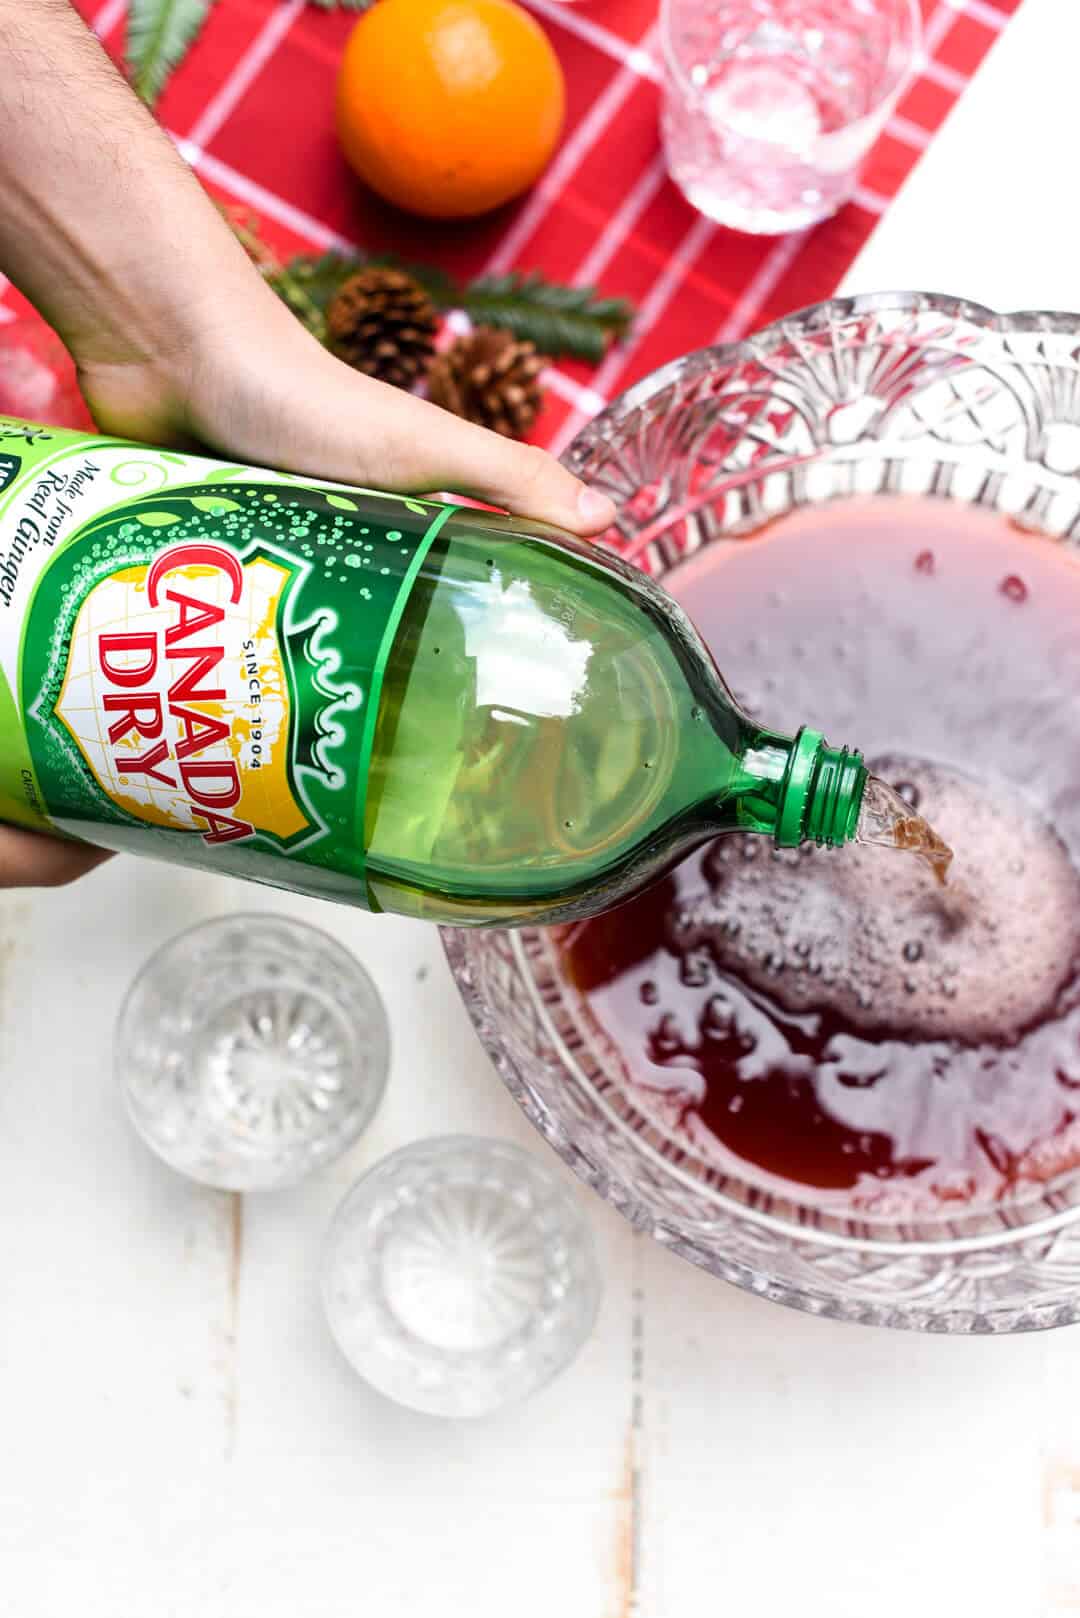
[459, 1276]
[251, 1050]
[770, 106]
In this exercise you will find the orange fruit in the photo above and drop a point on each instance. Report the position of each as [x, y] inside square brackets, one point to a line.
[449, 107]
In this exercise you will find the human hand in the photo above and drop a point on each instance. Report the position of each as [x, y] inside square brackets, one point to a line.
[249, 382]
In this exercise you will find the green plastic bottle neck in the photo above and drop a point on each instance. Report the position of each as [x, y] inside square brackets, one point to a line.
[821, 794]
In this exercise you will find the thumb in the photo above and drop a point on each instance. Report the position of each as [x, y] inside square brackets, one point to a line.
[426, 447]
[305, 410]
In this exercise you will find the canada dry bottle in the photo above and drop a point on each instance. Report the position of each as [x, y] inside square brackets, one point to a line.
[377, 699]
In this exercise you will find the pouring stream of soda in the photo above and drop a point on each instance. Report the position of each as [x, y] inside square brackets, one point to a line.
[887, 821]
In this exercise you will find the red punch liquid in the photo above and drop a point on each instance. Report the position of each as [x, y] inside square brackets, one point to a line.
[837, 1025]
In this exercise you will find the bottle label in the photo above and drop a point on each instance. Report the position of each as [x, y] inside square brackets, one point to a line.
[191, 653]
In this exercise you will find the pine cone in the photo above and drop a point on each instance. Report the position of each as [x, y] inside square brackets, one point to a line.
[491, 378]
[382, 323]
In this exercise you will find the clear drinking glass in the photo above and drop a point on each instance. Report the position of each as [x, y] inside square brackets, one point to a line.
[770, 106]
[251, 1050]
[459, 1275]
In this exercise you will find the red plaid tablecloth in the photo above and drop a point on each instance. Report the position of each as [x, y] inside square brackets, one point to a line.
[252, 110]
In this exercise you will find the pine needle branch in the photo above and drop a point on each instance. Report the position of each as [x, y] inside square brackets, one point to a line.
[559, 320]
[159, 33]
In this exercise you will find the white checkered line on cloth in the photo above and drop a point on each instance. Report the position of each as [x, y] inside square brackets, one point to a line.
[758, 289]
[262, 200]
[111, 13]
[909, 132]
[640, 58]
[592, 128]
[983, 11]
[585, 400]
[945, 77]
[251, 63]
[651, 308]
[621, 225]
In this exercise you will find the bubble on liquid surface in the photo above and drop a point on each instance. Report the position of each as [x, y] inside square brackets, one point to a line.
[886, 949]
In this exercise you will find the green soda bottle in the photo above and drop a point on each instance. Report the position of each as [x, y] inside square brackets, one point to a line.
[382, 700]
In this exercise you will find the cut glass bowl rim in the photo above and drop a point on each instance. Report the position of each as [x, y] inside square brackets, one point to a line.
[810, 318]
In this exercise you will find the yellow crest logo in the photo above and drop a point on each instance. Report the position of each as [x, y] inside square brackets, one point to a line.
[176, 694]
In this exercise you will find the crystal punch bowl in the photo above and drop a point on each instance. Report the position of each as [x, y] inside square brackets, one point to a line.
[887, 394]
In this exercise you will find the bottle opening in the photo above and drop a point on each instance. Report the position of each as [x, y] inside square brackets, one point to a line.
[822, 793]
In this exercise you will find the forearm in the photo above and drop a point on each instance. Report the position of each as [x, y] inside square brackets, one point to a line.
[102, 225]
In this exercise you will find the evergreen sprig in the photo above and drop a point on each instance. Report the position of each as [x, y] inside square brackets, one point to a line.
[159, 33]
[560, 320]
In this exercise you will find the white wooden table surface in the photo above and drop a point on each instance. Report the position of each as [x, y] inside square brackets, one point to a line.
[178, 1435]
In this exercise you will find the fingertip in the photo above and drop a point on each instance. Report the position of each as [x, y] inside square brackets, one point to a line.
[596, 511]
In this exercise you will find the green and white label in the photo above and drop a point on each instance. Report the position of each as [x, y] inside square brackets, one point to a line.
[191, 653]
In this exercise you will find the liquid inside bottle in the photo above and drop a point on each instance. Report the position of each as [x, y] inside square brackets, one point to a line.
[552, 735]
